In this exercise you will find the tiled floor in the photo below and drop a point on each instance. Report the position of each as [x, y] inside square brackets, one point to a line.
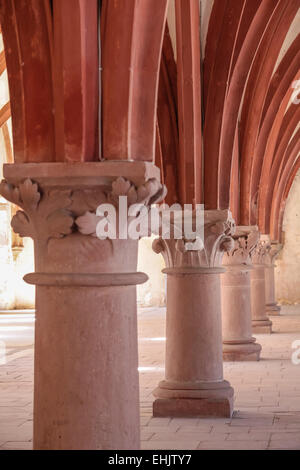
[267, 403]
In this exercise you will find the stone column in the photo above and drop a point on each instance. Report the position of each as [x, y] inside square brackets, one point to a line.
[238, 342]
[194, 383]
[86, 393]
[271, 305]
[260, 321]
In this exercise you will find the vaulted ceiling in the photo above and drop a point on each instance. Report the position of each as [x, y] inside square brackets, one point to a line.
[209, 93]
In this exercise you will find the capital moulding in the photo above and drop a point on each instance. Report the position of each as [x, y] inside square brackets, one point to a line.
[151, 192]
[261, 252]
[245, 241]
[204, 255]
[59, 199]
[85, 174]
[273, 253]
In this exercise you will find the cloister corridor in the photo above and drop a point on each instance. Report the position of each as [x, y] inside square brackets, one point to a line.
[267, 393]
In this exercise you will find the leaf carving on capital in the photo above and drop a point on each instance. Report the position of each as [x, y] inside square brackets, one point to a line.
[84, 200]
[242, 249]
[179, 253]
[205, 252]
[26, 195]
[44, 214]
[87, 223]
[261, 252]
[151, 192]
[21, 225]
[50, 213]
[168, 250]
[218, 240]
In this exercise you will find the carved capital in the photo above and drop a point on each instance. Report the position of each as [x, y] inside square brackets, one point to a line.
[149, 193]
[45, 214]
[267, 251]
[261, 252]
[245, 241]
[202, 252]
[60, 199]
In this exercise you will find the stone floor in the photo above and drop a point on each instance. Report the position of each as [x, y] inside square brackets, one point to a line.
[267, 402]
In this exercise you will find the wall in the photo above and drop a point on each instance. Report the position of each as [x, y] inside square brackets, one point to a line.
[24, 264]
[7, 296]
[287, 273]
[14, 264]
[152, 293]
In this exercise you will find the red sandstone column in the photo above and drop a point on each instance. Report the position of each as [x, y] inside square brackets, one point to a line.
[238, 342]
[271, 305]
[86, 392]
[194, 383]
[260, 321]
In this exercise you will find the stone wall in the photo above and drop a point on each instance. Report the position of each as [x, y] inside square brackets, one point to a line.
[15, 294]
[153, 292]
[287, 273]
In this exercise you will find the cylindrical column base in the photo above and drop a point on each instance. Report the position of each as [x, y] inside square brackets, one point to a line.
[260, 321]
[194, 384]
[238, 342]
[249, 351]
[196, 400]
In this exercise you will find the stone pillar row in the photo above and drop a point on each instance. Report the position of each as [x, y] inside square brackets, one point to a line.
[86, 391]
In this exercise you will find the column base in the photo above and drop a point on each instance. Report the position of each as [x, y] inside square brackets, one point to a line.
[200, 400]
[241, 351]
[262, 327]
[273, 309]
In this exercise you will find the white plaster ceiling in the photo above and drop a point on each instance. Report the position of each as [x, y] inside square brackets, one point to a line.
[291, 36]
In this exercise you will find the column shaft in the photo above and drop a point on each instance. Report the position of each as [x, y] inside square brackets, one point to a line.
[238, 342]
[260, 321]
[193, 318]
[271, 305]
[86, 390]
